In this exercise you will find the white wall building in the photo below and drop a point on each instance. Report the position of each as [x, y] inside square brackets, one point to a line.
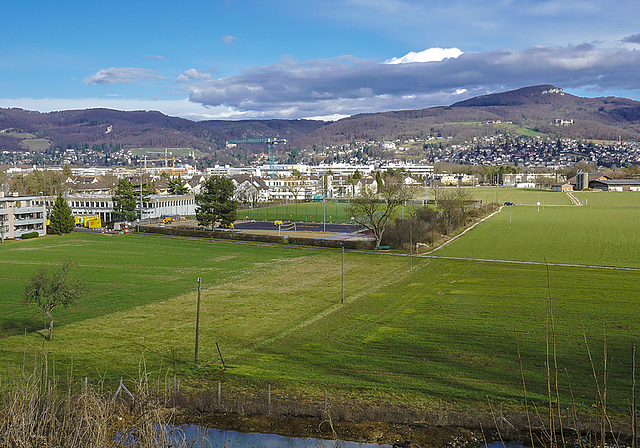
[157, 206]
[20, 215]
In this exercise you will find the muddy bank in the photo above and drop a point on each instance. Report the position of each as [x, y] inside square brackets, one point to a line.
[405, 435]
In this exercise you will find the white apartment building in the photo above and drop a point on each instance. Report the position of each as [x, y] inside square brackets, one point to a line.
[20, 215]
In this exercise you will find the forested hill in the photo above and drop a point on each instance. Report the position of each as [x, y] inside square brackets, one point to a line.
[536, 109]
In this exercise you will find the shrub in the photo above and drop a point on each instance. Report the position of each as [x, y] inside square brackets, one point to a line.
[26, 236]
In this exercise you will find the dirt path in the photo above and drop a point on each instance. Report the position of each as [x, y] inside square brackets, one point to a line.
[573, 199]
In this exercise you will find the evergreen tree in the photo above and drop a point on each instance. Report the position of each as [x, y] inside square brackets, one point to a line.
[124, 201]
[177, 186]
[216, 203]
[61, 220]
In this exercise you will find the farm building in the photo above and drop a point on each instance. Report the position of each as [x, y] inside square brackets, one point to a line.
[581, 184]
[562, 186]
[616, 184]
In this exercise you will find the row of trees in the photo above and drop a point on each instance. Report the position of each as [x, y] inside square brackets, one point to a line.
[375, 211]
[214, 204]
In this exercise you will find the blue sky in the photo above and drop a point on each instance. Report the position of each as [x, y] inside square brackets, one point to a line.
[235, 59]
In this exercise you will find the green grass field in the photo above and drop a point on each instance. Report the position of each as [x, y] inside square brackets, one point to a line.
[519, 196]
[337, 211]
[304, 211]
[445, 330]
[625, 198]
[35, 144]
[607, 236]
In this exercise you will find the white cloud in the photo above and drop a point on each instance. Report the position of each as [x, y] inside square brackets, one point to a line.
[435, 54]
[229, 39]
[192, 75]
[120, 75]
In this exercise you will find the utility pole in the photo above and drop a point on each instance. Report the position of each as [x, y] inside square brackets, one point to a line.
[140, 217]
[410, 247]
[197, 322]
[324, 214]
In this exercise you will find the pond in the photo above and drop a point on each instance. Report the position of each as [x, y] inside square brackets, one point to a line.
[194, 436]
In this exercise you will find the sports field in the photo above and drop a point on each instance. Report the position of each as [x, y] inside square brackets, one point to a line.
[446, 329]
[304, 211]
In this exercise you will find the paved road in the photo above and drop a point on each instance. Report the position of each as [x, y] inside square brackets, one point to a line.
[300, 226]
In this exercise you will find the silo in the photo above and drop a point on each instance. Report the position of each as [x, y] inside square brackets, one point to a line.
[582, 181]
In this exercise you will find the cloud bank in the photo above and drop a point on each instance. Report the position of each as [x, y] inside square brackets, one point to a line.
[343, 86]
[347, 86]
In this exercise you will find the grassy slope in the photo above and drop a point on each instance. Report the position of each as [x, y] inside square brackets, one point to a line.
[444, 330]
[121, 272]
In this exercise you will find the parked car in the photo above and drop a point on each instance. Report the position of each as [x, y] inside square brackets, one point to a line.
[509, 203]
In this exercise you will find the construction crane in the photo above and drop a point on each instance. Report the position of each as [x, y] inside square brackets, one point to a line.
[270, 141]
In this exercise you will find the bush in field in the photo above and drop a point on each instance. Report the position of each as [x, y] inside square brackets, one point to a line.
[427, 224]
[29, 235]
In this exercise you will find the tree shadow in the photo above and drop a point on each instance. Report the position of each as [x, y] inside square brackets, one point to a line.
[14, 327]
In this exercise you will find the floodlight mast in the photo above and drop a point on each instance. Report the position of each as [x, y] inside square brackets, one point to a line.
[270, 141]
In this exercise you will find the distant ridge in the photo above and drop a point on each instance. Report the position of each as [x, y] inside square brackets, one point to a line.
[535, 109]
[543, 94]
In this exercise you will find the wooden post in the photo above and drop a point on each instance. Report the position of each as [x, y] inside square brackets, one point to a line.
[219, 393]
[197, 323]
[269, 398]
[325, 400]
[440, 411]
[342, 293]
[168, 387]
[220, 353]
[86, 385]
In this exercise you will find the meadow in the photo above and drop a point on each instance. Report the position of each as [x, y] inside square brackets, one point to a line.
[444, 330]
[604, 236]
[519, 196]
[610, 198]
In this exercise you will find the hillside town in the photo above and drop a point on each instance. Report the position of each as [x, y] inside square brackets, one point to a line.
[89, 190]
[89, 176]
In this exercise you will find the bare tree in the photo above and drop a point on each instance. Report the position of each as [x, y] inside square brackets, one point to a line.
[48, 290]
[373, 211]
